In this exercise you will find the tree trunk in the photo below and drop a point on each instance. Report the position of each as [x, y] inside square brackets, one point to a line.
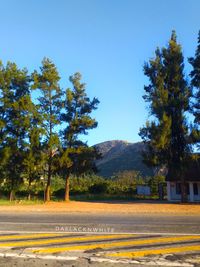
[12, 195]
[47, 196]
[29, 189]
[12, 192]
[67, 188]
[29, 196]
[47, 193]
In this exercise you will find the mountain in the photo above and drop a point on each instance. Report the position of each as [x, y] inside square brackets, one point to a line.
[118, 155]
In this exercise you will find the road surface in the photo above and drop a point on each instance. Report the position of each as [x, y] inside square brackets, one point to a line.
[47, 239]
[116, 223]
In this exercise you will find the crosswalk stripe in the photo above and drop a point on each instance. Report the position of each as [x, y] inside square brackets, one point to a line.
[116, 244]
[62, 240]
[7, 237]
[142, 253]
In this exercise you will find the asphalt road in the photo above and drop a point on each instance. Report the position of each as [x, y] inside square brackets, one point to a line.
[100, 223]
[80, 223]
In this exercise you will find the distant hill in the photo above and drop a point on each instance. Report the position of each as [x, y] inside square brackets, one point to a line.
[119, 156]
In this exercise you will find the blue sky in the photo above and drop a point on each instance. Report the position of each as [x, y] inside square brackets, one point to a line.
[107, 41]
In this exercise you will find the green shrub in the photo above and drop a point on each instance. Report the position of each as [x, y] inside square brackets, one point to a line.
[59, 193]
[98, 188]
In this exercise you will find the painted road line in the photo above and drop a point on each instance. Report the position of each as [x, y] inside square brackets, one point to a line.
[6, 237]
[61, 240]
[169, 240]
[142, 253]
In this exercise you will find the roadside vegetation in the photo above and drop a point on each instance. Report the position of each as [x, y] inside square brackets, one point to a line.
[40, 128]
[122, 186]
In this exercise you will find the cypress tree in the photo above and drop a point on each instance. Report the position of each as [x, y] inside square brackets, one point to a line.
[168, 94]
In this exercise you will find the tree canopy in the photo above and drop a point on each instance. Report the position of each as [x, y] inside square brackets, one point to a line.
[168, 94]
[41, 135]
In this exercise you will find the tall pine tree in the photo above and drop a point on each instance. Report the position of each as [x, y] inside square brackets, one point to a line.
[50, 104]
[168, 95]
[76, 156]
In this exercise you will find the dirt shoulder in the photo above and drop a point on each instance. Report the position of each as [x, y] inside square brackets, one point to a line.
[114, 207]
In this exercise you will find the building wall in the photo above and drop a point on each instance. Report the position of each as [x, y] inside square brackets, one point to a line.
[172, 194]
[197, 197]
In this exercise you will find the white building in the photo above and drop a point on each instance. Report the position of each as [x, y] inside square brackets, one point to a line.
[192, 177]
[174, 192]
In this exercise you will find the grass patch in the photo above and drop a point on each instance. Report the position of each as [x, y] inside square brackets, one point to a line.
[75, 197]
[5, 202]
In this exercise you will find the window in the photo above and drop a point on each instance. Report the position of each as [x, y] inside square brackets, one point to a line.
[187, 189]
[195, 188]
[178, 188]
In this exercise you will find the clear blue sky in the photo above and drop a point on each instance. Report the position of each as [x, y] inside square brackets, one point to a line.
[107, 41]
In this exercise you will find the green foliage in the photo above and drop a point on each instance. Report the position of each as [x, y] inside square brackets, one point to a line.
[50, 103]
[33, 163]
[49, 107]
[82, 184]
[168, 95]
[15, 105]
[168, 135]
[57, 183]
[98, 188]
[76, 156]
[154, 182]
[195, 82]
[125, 182]
[30, 145]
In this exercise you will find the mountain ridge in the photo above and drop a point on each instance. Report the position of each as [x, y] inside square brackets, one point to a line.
[121, 155]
